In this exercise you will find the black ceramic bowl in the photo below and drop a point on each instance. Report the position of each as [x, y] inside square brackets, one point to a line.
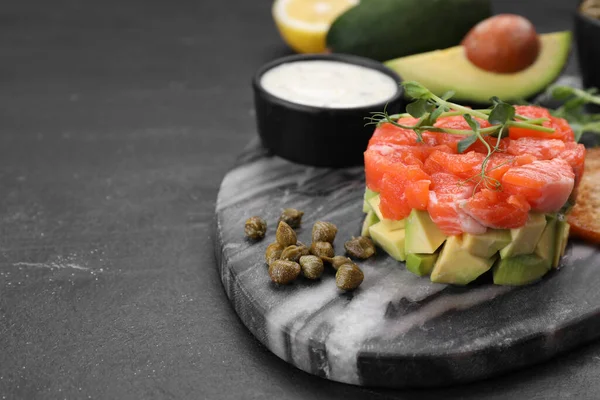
[587, 36]
[322, 137]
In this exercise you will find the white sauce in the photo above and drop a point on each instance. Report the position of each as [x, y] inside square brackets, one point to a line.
[328, 84]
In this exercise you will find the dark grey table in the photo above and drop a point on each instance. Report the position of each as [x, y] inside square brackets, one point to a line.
[118, 120]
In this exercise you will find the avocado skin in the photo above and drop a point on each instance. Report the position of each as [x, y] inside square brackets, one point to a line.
[387, 29]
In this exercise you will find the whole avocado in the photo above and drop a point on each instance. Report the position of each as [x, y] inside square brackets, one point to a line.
[387, 29]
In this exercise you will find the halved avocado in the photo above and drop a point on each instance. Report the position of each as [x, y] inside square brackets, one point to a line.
[449, 69]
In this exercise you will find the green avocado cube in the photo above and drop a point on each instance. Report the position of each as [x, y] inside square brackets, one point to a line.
[520, 270]
[392, 242]
[458, 266]
[562, 238]
[486, 244]
[370, 220]
[525, 239]
[422, 234]
[369, 194]
[420, 264]
[546, 247]
[390, 224]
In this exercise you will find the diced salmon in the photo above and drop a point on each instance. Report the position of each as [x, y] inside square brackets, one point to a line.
[383, 158]
[562, 129]
[574, 154]
[389, 133]
[465, 166]
[492, 142]
[498, 210]
[459, 122]
[497, 166]
[395, 203]
[446, 194]
[524, 159]
[417, 194]
[546, 184]
[542, 149]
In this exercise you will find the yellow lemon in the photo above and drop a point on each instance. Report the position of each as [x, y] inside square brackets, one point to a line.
[303, 24]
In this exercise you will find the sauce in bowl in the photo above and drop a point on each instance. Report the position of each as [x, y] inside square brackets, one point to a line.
[328, 84]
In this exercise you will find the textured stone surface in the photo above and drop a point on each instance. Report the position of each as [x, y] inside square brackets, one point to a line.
[397, 329]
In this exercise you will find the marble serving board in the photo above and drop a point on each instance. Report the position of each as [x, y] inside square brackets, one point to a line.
[397, 329]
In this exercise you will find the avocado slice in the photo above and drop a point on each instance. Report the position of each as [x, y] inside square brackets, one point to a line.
[391, 241]
[422, 234]
[369, 194]
[390, 224]
[444, 70]
[546, 247]
[370, 220]
[520, 270]
[421, 264]
[525, 239]
[458, 266]
[486, 244]
[562, 238]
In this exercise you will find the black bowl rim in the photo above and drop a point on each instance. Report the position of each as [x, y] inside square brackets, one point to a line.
[586, 17]
[347, 58]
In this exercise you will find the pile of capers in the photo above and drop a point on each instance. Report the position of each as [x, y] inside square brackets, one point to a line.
[287, 258]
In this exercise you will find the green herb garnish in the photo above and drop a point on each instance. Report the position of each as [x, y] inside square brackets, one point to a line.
[428, 108]
[573, 108]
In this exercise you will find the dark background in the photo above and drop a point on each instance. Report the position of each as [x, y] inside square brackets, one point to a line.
[118, 120]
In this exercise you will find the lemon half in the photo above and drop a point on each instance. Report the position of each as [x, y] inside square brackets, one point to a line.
[303, 24]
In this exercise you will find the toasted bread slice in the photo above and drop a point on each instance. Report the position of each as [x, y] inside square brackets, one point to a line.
[585, 215]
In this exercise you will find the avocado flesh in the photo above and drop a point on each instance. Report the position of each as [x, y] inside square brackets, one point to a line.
[562, 238]
[422, 234]
[369, 194]
[370, 220]
[520, 270]
[449, 69]
[390, 224]
[546, 247]
[458, 266]
[392, 242]
[487, 244]
[525, 239]
[420, 264]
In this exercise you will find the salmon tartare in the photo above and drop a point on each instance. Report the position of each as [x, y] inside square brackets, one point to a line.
[503, 209]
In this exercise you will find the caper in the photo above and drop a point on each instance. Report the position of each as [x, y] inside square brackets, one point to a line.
[312, 266]
[360, 247]
[292, 217]
[322, 249]
[255, 228]
[285, 235]
[283, 271]
[324, 232]
[273, 252]
[337, 261]
[294, 252]
[348, 277]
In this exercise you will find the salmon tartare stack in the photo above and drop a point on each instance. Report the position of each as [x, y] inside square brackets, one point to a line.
[454, 206]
